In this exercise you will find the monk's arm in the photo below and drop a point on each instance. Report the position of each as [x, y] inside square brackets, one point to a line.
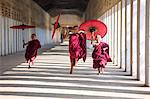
[24, 44]
[105, 46]
[39, 44]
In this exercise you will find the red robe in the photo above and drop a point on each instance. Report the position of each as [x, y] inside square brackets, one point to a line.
[82, 38]
[101, 57]
[32, 48]
[77, 46]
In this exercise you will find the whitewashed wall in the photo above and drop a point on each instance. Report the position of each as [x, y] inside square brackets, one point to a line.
[23, 12]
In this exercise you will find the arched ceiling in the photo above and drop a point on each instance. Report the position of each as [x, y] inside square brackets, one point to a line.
[54, 7]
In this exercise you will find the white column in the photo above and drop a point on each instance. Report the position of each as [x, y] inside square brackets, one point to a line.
[0, 35]
[142, 39]
[17, 38]
[111, 31]
[7, 36]
[9, 39]
[116, 35]
[13, 47]
[11, 35]
[117, 31]
[20, 42]
[14, 36]
[105, 21]
[147, 46]
[125, 35]
[131, 39]
[134, 47]
[113, 21]
[138, 39]
[107, 26]
[3, 47]
[121, 34]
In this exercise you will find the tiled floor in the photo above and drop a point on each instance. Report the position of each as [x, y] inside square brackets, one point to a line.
[49, 78]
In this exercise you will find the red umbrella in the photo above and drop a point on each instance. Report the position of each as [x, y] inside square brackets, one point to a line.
[93, 26]
[55, 26]
[22, 27]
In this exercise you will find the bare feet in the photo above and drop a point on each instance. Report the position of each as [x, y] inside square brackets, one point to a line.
[29, 66]
[98, 70]
[70, 72]
[71, 69]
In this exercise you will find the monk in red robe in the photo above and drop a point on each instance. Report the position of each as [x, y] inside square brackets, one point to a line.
[77, 47]
[32, 48]
[82, 39]
[100, 54]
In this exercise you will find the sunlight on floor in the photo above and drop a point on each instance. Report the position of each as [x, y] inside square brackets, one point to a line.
[49, 78]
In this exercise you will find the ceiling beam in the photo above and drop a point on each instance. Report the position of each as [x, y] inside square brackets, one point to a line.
[55, 12]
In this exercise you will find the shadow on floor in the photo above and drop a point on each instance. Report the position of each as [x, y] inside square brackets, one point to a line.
[49, 77]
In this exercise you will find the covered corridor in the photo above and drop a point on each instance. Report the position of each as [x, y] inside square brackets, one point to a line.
[127, 77]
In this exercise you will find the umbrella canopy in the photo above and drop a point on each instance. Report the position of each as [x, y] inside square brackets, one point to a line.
[22, 27]
[55, 26]
[93, 26]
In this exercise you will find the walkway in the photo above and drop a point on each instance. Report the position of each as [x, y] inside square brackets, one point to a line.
[49, 78]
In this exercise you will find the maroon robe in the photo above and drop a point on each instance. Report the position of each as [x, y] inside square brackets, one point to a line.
[77, 46]
[101, 57]
[31, 51]
[82, 38]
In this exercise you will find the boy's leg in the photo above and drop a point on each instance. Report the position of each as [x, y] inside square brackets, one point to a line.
[33, 60]
[72, 64]
[29, 65]
[98, 71]
[75, 62]
[102, 69]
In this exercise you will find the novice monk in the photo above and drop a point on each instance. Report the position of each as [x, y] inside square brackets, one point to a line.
[32, 48]
[82, 39]
[100, 54]
[77, 47]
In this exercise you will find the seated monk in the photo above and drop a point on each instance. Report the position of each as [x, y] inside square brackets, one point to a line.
[100, 54]
[77, 47]
[32, 48]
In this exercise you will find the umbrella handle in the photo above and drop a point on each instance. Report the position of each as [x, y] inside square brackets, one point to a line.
[23, 43]
[92, 33]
